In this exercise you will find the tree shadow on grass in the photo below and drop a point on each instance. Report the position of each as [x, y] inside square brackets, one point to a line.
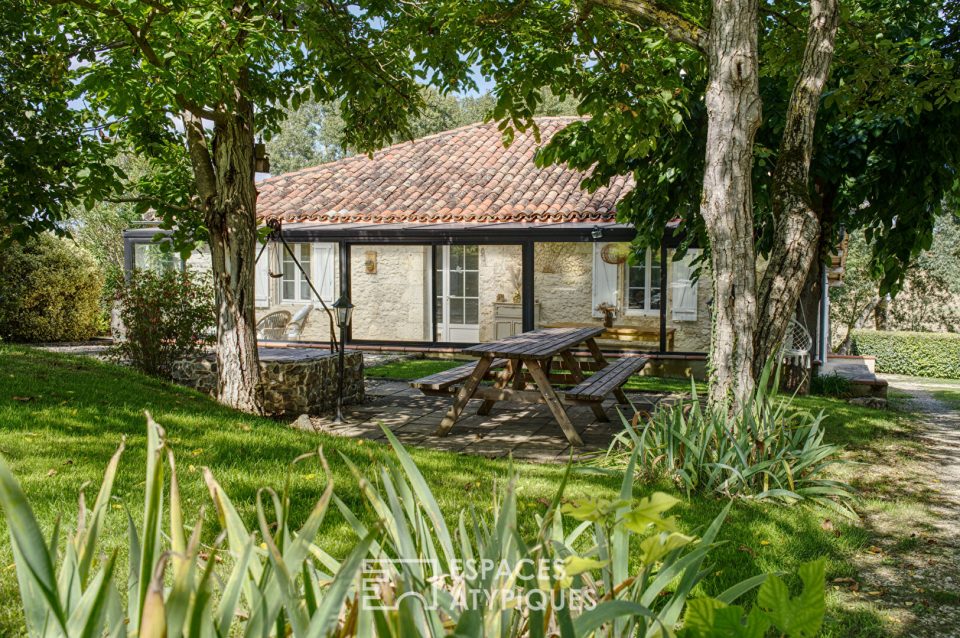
[68, 414]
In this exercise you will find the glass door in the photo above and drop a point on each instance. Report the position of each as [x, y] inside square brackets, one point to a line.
[457, 288]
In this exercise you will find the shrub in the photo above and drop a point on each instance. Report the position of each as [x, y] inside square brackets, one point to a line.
[765, 451]
[49, 291]
[273, 581]
[166, 316]
[918, 354]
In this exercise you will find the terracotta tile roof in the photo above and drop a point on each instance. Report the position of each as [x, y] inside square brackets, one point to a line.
[463, 175]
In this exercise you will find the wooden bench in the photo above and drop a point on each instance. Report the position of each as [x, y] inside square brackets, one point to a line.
[605, 381]
[445, 382]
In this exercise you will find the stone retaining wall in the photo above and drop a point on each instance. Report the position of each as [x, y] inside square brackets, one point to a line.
[295, 380]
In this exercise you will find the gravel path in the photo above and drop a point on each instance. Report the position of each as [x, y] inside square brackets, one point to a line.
[911, 572]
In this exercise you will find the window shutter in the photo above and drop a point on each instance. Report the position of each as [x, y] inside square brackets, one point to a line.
[324, 275]
[261, 280]
[684, 288]
[606, 284]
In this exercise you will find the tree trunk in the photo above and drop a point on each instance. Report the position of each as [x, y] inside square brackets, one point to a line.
[797, 235]
[233, 237]
[734, 112]
[225, 182]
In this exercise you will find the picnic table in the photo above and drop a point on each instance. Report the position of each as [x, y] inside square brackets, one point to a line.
[540, 358]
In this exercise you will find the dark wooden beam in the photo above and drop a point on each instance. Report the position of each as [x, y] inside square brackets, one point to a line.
[528, 292]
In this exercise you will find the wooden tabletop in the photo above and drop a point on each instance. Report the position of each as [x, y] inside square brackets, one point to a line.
[537, 344]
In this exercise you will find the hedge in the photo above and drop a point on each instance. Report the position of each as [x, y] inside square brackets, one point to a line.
[918, 354]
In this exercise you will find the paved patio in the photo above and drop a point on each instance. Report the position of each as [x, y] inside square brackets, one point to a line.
[527, 433]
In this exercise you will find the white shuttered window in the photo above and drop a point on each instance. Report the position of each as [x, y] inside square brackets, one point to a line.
[684, 288]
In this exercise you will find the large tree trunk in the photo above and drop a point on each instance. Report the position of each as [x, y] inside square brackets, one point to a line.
[734, 112]
[797, 234]
[225, 182]
[233, 237]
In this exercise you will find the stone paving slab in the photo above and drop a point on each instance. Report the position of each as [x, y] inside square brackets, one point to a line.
[525, 432]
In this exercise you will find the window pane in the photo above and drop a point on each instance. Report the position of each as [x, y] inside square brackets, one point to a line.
[472, 257]
[654, 282]
[456, 257]
[305, 291]
[152, 257]
[456, 311]
[472, 284]
[471, 311]
[456, 284]
[288, 290]
[637, 286]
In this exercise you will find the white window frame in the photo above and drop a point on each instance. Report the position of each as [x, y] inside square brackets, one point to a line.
[321, 269]
[298, 279]
[646, 311]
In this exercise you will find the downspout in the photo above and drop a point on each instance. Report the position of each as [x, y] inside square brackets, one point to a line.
[824, 337]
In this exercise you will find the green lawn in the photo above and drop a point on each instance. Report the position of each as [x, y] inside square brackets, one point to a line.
[62, 417]
[950, 397]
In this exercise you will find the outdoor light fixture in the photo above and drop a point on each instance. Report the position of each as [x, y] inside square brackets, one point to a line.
[597, 232]
[344, 310]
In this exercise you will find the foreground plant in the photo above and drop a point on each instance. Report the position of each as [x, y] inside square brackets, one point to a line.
[768, 450]
[619, 568]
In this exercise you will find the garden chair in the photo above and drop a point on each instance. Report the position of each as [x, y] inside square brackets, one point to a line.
[796, 345]
[273, 326]
[295, 327]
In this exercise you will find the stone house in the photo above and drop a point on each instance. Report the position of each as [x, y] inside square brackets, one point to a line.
[453, 239]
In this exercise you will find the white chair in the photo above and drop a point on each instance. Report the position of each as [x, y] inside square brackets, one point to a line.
[295, 327]
[796, 345]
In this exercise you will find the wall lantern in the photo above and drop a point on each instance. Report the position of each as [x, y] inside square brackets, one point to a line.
[370, 262]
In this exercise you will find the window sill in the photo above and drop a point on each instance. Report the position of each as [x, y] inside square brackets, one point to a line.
[642, 313]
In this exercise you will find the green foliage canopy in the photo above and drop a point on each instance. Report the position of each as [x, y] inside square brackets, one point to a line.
[48, 160]
[887, 136]
[139, 67]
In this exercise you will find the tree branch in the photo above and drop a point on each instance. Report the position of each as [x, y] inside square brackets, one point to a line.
[200, 157]
[677, 28]
[143, 45]
[798, 224]
[151, 56]
[149, 199]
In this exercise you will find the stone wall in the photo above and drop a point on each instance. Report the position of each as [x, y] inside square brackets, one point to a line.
[393, 302]
[295, 380]
[499, 269]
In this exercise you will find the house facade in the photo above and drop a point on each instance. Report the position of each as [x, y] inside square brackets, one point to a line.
[453, 239]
